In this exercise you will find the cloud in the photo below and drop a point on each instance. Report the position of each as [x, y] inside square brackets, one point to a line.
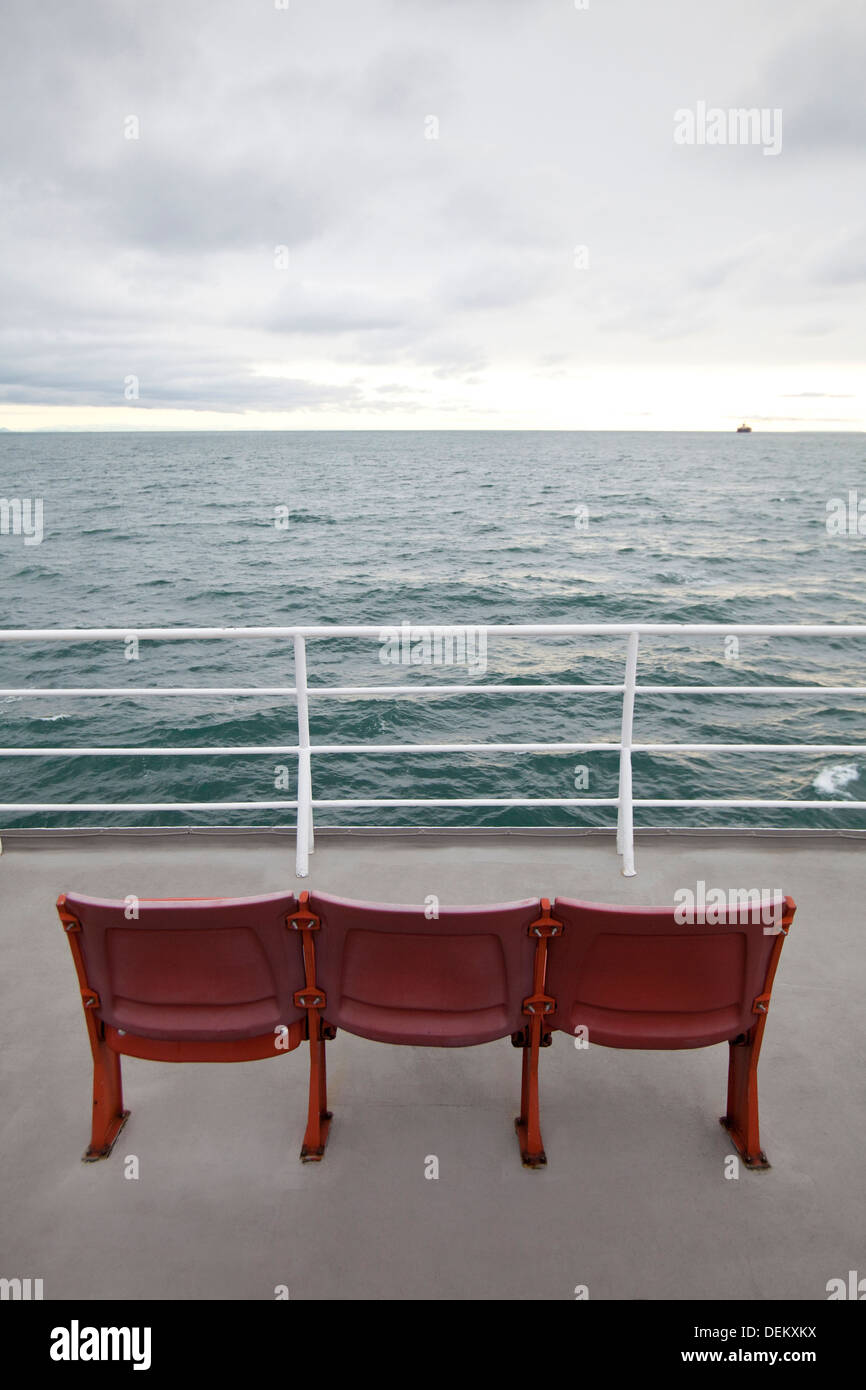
[806, 419]
[844, 263]
[449, 257]
[817, 78]
[228, 392]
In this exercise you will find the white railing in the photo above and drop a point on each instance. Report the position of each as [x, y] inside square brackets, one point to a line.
[305, 803]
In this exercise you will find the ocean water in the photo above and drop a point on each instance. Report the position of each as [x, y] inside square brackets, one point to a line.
[435, 528]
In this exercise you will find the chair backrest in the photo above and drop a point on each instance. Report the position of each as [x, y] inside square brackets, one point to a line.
[637, 977]
[395, 975]
[192, 969]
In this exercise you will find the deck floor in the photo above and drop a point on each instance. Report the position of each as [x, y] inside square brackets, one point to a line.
[634, 1203]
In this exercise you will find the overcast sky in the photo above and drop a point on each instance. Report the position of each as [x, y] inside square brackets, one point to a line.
[554, 259]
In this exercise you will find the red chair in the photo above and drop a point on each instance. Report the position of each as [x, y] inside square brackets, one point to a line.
[187, 980]
[638, 978]
[394, 975]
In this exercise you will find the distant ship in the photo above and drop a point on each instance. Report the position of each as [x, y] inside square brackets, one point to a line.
[744, 429]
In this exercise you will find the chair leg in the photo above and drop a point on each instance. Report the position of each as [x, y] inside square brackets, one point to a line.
[527, 1123]
[109, 1116]
[741, 1120]
[318, 1115]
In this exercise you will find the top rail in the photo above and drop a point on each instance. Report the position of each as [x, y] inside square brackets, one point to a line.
[177, 634]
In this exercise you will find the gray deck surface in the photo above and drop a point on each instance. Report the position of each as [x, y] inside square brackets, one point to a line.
[634, 1202]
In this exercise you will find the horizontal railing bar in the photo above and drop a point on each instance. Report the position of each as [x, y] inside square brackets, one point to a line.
[794, 804]
[469, 689]
[172, 634]
[404, 689]
[288, 805]
[408, 801]
[571, 801]
[464, 747]
[314, 748]
[142, 752]
[147, 805]
[751, 689]
[476, 801]
[749, 747]
[77, 692]
[392, 748]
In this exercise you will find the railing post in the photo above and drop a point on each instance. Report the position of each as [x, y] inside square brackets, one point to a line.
[304, 840]
[625, 815]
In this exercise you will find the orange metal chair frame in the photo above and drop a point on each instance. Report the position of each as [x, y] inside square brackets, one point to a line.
[741, 1116]
[532, 1037]
[313, 999]
[108, 1045]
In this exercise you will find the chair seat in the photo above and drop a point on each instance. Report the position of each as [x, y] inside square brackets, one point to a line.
[423, 1027]
[650, 1029]
[196, 1022]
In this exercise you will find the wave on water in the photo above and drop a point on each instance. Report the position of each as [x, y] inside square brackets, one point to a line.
[833, 780]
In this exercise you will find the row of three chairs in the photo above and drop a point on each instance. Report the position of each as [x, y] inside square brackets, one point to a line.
[229, 980]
